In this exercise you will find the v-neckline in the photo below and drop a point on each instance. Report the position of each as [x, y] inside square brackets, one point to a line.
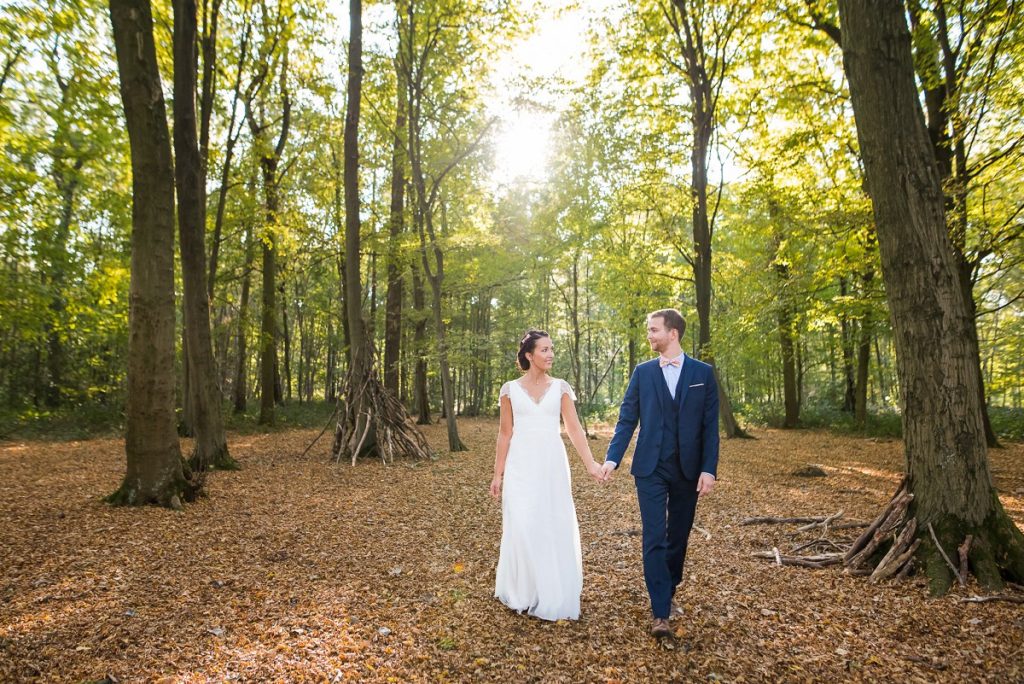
[543, 396]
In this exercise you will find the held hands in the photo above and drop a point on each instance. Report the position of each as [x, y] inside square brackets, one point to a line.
[596, 471]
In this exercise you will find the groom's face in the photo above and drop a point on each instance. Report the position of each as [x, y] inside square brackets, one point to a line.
[658, 336]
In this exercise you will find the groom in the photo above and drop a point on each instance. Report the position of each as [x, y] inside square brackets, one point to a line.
[674, 398]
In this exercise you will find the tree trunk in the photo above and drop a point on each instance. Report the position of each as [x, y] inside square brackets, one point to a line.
[373, 420]
[436, 277]
[211, 449]
[353, 225]
[332, 365]
[941, 76]
[421, 396]
[704, 81]
[787, 337]
[354, 435]
[967, 287]
[155, 471]
[846, 340]
[393, 306]
[947, 461]
[66, 180]
[860, 405]
[286, 338]
[225, 171]
[268, 302]
[791, 393]
[269, 161]
[243, 326]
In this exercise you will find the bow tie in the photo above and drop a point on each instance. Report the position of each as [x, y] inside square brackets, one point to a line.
[662, 361]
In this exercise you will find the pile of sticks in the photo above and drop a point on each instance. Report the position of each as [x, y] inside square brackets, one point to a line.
[891, 526]
[828, 552]
[373, 420]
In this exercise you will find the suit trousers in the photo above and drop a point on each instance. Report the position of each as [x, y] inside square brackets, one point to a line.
[668, 502]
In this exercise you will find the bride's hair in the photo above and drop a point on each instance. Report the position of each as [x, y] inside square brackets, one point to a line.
[526, 346]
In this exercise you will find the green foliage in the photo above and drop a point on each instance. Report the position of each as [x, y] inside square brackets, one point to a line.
[586, 253]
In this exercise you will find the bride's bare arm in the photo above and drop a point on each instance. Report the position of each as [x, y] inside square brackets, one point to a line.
[578, 437]
[501, 451]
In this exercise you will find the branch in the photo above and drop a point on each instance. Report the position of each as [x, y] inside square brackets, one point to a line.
[819, 23]
[956, 571]
[9, 65]
[986, 599]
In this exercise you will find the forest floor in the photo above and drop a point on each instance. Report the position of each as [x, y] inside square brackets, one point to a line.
[296, 569]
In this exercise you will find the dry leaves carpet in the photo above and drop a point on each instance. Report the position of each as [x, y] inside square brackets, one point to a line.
[300, 570]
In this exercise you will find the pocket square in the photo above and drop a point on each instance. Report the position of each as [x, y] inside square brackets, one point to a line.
[699, 384]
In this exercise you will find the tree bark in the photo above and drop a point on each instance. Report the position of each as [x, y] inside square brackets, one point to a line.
[268, 300]
[67, 185]
[846, 339]
[240, 385]
[155, 471]
[353, 224]
[233, 135]
[286, 338]
[355, 435]
[944, 75]
[946, 453]
[420, 393]
[860, 404]
[790, 389]
[787, 335]
[396, 224]
[211, 449]
[435, 276]
[269, 162]
[705, 75]
[373, 421]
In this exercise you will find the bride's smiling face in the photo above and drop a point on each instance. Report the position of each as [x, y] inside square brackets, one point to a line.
[543, 354]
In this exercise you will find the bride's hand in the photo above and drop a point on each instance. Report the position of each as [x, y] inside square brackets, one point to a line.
[496, 487]
[595, 471]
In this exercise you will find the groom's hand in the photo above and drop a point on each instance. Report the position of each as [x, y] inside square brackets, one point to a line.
[705, 484]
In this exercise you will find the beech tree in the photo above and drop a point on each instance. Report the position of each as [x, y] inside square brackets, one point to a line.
[948, 501]
[155, 473]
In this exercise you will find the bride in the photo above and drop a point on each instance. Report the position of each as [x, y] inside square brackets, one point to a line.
[540, 566]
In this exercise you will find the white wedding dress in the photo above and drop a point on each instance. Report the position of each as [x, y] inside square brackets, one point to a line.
[540, 565]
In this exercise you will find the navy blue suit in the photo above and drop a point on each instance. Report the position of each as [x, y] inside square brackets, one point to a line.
[678, 441]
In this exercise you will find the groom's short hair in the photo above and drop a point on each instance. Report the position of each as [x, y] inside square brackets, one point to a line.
[673, 320]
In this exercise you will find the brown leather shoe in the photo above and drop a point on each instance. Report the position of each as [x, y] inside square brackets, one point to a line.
[660, 628]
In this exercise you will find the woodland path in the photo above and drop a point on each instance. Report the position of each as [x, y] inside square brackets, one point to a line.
[295, 569]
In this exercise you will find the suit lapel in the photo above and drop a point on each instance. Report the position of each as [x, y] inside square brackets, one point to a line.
[685, 379]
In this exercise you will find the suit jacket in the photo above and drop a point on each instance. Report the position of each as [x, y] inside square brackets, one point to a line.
[644, 404]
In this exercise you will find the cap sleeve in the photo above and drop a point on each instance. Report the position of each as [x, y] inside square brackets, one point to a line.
[504, 391]
[566, 389]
